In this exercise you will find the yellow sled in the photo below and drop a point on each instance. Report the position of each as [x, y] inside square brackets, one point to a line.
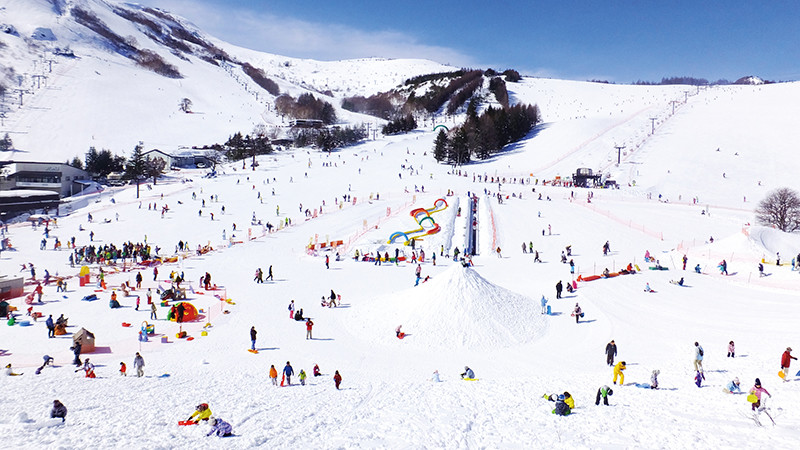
[782, 375]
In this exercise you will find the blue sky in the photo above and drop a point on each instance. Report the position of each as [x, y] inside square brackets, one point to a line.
[619, 41]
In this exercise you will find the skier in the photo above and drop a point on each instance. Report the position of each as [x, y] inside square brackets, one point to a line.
[618, 373]
[288, 372]
[578, 313]
[559, 288]
[253, 333]
[757, 390]
[786, 361]
[611, 352]
[219, 427]
[273, 375]
[603, 393]
[698, 357]
[731, 350]
[138, 364]
[59, 411]
[337, 379]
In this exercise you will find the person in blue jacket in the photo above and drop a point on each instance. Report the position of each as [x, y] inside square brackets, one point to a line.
[288, 372]
[733, 386]
[468, 373]
[544, 305]
[219, 427]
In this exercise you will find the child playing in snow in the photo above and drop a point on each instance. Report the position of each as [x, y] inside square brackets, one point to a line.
[654, 379]
[733, 386]
[731, 350]
[698, 379]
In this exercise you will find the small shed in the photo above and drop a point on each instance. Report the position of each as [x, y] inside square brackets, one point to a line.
[86, 339]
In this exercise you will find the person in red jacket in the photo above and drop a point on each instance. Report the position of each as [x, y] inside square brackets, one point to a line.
[309, 325]
[786, 360]
[337, 379]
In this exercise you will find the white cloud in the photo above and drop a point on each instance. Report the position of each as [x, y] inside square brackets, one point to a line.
[304, 39]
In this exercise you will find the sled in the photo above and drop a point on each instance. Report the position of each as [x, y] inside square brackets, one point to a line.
[470, 379]
[657, 268]
[255, 352]
[590, 278]
[782, 375]
[636, 266]
[752, 398]
[187, 422]
[401, 336]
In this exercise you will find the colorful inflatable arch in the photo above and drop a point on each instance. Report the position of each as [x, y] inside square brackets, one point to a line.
[189, 312]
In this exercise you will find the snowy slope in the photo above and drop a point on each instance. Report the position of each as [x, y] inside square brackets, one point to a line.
[487, 317]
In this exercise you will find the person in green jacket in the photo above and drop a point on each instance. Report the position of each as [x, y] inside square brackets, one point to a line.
[302, 377]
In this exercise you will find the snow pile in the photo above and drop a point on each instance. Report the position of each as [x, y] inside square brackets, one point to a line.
[456, 309]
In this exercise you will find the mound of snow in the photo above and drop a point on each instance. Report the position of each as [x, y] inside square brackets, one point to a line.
[771, 240]
[456, 309]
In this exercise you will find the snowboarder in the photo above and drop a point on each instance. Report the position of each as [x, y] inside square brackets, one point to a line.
[618, 372]
[273, 375]
[559, 288]
[288, 372]
[138, 364]
[253, 334]
[786, 361]
[757, 390]
[337, 379]
[611, 352]
[59, 411]
[219, 427]
[698, 357]
[731, 350]
[309, 325]
[468, 373]
[603, 393]
[654, 379]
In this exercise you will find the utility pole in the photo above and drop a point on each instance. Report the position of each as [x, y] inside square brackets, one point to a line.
[685, 96]
[619, 152]
[673, 106]
[653, 125]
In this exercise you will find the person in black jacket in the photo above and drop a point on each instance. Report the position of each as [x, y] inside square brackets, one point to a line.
[253, 333]
[76, 349]
[58, 411]
[611, 352]
[559, 287]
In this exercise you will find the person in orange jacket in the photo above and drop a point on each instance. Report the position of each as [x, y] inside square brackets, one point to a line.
[273, 374]
[618, 373]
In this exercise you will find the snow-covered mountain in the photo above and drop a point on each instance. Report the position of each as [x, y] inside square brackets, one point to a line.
[81, 73]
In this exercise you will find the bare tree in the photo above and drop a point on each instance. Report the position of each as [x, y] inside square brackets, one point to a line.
[781, 209]
[154, 167]
[214, 157]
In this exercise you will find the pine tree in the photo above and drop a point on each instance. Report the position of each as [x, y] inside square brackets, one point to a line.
[6, 144]
[440, 146]
[136, 167]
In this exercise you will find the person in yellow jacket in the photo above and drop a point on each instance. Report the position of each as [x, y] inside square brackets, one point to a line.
[273, 374]
[202, 412]
[569, 400]
[618, 373]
